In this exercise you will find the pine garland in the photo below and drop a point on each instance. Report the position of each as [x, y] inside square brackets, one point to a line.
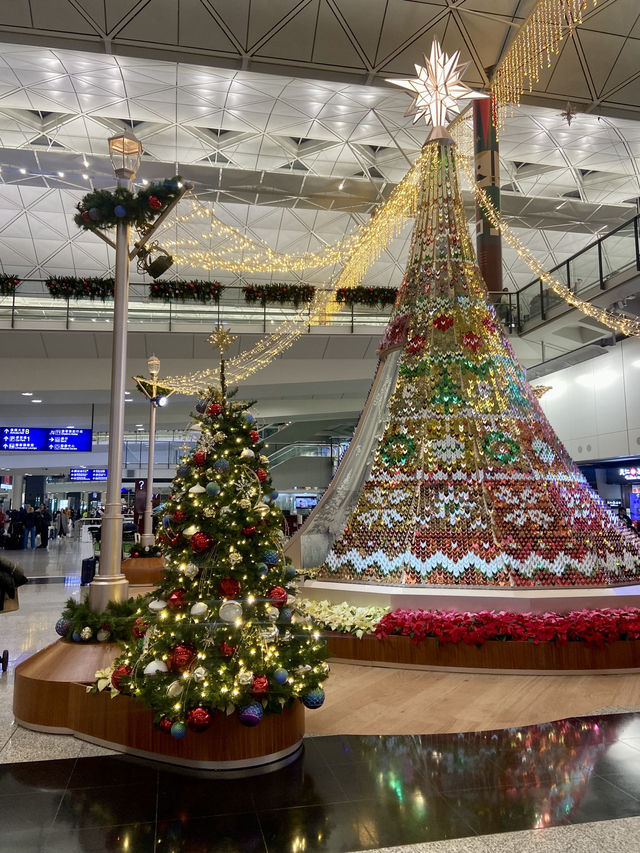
[370, 296]
[116, 621]
[281, 293]
[8, 284]
[104, 208]
[70, 287]
[192, 290]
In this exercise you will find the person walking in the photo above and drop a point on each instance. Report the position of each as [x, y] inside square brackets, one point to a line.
[43, 521]
[63, 523]
[28, 518]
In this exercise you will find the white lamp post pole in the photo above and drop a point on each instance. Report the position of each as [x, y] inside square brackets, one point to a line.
[109, 583]
[153, 364]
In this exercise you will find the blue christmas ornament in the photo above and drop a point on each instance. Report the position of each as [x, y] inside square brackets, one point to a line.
[262, 568]
[62, 627]
[76, 637]
[285, 615]
[213, 489]
[251, 714]
[221, 465]
[120, 211]
[274, 495]
[313, 699]
[281, 676]
[200, 407]
[167, 521]
[183, 470]
[290, 571]
[178, 730]
[248, 417]
[270, 557]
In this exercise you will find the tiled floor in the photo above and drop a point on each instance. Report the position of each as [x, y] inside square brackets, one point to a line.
[569, 786]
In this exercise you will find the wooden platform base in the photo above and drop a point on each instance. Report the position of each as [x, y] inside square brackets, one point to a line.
[50, 695]
[493, 656]
[143, 571]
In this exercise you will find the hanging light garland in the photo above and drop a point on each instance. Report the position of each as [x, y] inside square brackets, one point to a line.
[611, 319]
[235, 252]
[532, 49]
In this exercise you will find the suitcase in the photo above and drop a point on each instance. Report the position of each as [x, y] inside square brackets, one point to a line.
[14, 541]
[88, 570]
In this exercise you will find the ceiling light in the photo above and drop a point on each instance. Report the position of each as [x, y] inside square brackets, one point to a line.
[145, 181]
[27, 393]
[341, 186]
[61, 174]
[85, 163]
[23, 171]
[85, 177]
[36, 401]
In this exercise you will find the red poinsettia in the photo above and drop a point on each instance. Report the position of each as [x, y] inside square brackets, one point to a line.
[443, 322]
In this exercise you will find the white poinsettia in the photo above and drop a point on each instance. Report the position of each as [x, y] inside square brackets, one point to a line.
[344, 617]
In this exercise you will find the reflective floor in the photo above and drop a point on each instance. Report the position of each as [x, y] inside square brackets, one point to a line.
[570, 786]
[345, 794]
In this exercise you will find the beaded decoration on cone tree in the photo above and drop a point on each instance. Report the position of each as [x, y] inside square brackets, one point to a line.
[469, 483]
[221, 632]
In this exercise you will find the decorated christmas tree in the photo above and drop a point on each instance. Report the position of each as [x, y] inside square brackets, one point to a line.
[221, 632]
[469, 483]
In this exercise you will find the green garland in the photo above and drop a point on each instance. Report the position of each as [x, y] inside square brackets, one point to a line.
[69, 287]
[8, 284]
[370, 296]
[264, 293]
[186, 291]
[78, 623]
[104, 208]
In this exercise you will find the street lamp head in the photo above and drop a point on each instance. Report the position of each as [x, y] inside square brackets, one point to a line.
[125, 151]
[160, 401]
[153, 363]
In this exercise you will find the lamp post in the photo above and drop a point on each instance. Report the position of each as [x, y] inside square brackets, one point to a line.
[150, 390]
[109, 583]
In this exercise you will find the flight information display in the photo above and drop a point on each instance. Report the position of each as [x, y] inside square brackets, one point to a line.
[55, 439]
[85, 475]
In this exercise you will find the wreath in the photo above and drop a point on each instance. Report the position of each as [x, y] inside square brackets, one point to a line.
[105, 208]
[500, 447]
[397, 449]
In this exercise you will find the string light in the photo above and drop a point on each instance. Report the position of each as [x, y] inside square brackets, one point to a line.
[532, 49]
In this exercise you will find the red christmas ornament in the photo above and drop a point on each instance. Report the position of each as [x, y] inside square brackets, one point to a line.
[176, 599]
[181, 657]
[199, 458]
[249, 531]
[201, 542]
[175, 540]
[139, 627]
[278, 595]
[227, 650]
[214, 409]
[85, 216]
[154, 202]
[118, 674]
[165, 725]
[261, 474]
[260, 685]
[179, 516]
[199, 719]
[254, 435]
[229, 587]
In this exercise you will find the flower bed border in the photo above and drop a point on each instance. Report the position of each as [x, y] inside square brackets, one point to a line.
[501, 655]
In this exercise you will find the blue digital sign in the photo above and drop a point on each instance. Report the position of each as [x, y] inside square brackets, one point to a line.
[85, 475]
[67, 438]
[58, 439]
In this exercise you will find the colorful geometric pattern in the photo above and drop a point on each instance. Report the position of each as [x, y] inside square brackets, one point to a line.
[469, 484]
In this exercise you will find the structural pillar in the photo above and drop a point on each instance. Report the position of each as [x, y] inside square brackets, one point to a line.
[17, 488]
[487, 173]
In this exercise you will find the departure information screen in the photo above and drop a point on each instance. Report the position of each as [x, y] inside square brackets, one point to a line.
[54, 439]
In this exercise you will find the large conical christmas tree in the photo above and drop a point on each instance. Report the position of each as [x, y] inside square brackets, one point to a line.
[469, 483]
[221, 632]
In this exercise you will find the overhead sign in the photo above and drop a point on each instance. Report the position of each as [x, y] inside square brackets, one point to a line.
[86, 475]
[56, 439]
[630, 473]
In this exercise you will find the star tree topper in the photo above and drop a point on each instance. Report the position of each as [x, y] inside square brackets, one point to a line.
[437, 88]
[221, 339]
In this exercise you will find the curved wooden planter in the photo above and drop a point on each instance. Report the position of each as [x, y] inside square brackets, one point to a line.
[496, 655]
[50, 695]
[143, 571]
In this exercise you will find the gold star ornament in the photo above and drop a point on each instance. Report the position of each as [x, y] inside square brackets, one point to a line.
[437, 88]
[221, 338]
